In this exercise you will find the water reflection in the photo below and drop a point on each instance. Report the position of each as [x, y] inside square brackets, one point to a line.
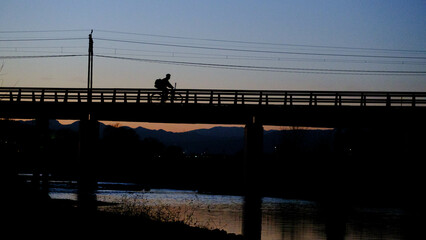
[252, 217]
[335, 220]
[291, 219]
[280, 219]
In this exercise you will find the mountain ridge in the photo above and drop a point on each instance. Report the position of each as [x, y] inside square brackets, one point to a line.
[216, 140]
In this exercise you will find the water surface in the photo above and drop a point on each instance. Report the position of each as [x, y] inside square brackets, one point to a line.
[280, 218]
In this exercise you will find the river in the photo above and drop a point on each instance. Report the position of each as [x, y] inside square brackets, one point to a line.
[280, 218]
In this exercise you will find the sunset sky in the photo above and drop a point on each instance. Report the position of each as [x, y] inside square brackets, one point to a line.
[273, 45]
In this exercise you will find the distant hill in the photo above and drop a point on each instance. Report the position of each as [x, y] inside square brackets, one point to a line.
[218, 140]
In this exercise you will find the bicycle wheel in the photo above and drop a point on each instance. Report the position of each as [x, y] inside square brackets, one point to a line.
[178, 98]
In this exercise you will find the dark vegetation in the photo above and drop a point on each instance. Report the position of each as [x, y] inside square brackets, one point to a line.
[31, 215]
[373, 167]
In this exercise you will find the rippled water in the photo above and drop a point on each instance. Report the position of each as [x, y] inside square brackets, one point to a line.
[281, 218]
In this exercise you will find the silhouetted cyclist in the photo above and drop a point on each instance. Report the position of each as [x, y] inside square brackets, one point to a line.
[164, 85]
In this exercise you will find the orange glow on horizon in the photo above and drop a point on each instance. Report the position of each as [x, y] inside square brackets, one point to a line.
[181, 127]
[172, 127]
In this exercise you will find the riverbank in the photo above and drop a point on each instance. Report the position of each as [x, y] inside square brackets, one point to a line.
[281, 219]
[29, 213]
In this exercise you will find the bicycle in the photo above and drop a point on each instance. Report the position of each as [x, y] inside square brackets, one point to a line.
[172, 97]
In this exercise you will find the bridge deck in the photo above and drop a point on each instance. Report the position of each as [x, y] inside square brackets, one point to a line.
[218, 97]
[303, 108]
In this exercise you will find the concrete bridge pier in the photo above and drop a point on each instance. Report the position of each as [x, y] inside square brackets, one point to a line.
[40, 175]
[87, 184]
[253, 153]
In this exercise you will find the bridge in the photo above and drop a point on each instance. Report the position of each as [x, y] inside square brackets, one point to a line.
[269, 107]
[246, 107]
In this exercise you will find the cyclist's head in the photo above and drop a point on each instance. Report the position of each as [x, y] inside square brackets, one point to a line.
[168, 75]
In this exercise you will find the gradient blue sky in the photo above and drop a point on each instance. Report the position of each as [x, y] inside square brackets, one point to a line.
[354, 25]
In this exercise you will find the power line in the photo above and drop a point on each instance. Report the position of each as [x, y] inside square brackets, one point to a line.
[45, 31]
[271, 69]
[62, 49]
[41, 39]
[43, 56]
[260, 51]
[178, 54]
[384, 59]
[266, 43]
[41, 47]
[52, 50]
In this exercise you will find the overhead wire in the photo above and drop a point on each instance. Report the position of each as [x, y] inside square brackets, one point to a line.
[39, 49]
[44, 31]
[179, 54]
[43, 56]
[264, 43]
[41, 39]
[258, 51]
[268, 55]
[198, 39]
[271, 69]
[219, 48]
[330, 57]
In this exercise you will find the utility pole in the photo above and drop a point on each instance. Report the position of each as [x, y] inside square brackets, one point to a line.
[88, 140]
[90, 69]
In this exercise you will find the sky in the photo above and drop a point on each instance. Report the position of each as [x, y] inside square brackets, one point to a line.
[363, 45]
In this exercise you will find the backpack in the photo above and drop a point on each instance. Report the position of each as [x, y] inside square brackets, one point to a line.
[158, 83]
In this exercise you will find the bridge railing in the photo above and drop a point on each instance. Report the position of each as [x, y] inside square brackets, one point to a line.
[215, 97]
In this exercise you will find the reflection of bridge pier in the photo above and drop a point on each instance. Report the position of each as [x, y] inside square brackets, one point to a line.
[88, 139]
[253, 151]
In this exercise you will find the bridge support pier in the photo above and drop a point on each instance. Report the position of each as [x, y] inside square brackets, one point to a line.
[87, 184]
[40, 177]
[253, 153]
